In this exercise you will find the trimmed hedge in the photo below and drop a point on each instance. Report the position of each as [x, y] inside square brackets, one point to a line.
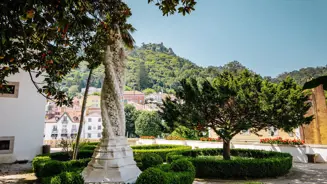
[161, 150]
[57, 167]
[179, 172]
[148, 160]
[44, 167]
[263, 164]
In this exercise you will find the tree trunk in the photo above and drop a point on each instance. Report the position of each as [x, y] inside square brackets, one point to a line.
[81, 122]
[226, 149]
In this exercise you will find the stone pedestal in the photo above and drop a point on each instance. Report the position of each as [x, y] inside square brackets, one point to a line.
[112, 162]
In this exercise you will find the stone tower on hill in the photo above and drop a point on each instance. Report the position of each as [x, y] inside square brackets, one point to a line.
[316, 131]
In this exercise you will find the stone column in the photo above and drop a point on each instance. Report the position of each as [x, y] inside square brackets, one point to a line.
[112, 160]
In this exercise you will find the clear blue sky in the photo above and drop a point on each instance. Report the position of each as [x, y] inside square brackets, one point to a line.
[267, 36]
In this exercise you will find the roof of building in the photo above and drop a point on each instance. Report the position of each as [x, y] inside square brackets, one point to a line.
[133, 93]
[94, 114]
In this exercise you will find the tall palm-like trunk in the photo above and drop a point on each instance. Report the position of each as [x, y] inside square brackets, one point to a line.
[81, 122]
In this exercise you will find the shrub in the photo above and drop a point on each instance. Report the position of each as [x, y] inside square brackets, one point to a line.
[260, 164]
[150, 160]
[184, 173]
[38, 163]
[88, 147]
[280, 140]
[161, 150]
[147, 137]
[184, 132]
[46, 167]
[148, 124]
[171, 137]
[51, 168]
[152, 175]
[210, 139]
[67, 178]
[182, 165]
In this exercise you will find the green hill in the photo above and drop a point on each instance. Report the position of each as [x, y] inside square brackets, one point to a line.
[158, 67]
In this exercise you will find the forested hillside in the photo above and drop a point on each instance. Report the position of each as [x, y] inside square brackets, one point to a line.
[158, 67]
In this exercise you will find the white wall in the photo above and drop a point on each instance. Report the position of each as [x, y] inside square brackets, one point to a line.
[94, 124]
[298, 152]
[23, 117]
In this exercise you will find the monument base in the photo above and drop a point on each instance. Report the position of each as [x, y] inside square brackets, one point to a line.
[112, 162]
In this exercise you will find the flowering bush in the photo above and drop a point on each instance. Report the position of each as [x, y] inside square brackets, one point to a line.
[147, 137]
[210, 139]
[170, 137]
[280, 140]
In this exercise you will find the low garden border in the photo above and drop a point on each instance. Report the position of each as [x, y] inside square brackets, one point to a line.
[259, 165]
[56, 168]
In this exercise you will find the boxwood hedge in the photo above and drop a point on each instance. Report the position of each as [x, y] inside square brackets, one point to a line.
[57, 167]
[260, 164]
[179, 172]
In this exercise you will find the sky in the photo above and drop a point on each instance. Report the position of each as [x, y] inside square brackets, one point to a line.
[267, 36]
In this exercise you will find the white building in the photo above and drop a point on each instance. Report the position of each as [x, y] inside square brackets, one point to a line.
[93, 126]
[66, 126]
[60, 127]
[91, 90]
[22, 116]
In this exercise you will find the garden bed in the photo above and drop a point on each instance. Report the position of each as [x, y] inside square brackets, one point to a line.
[57, 168]
[245, 163]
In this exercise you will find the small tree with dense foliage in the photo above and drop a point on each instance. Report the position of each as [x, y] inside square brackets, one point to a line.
[131, 115]
[236, 102]
[148, 124]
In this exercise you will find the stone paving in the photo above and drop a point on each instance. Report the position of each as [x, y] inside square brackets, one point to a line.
[17, 173]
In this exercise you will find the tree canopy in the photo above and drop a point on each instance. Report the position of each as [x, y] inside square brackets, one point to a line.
[148, 124]
[46, 38]
[233, 102]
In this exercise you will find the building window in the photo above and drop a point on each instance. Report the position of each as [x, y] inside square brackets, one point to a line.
[54, 128]
[99, 135]
[291, 134]
[74, 127]
[245, 132]
[89, 127]
[64, 126]
[90, 120]
[7, 144]
[273, 131]
[94, 128]
[10, 90]
[88, 135]
[99, 127]
[99, 120]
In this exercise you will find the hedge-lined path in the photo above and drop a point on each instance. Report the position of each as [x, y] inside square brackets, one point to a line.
[17, 173]
[300, 173]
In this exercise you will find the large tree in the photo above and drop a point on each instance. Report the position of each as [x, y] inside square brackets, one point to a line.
[233, 102]
[46, 38]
